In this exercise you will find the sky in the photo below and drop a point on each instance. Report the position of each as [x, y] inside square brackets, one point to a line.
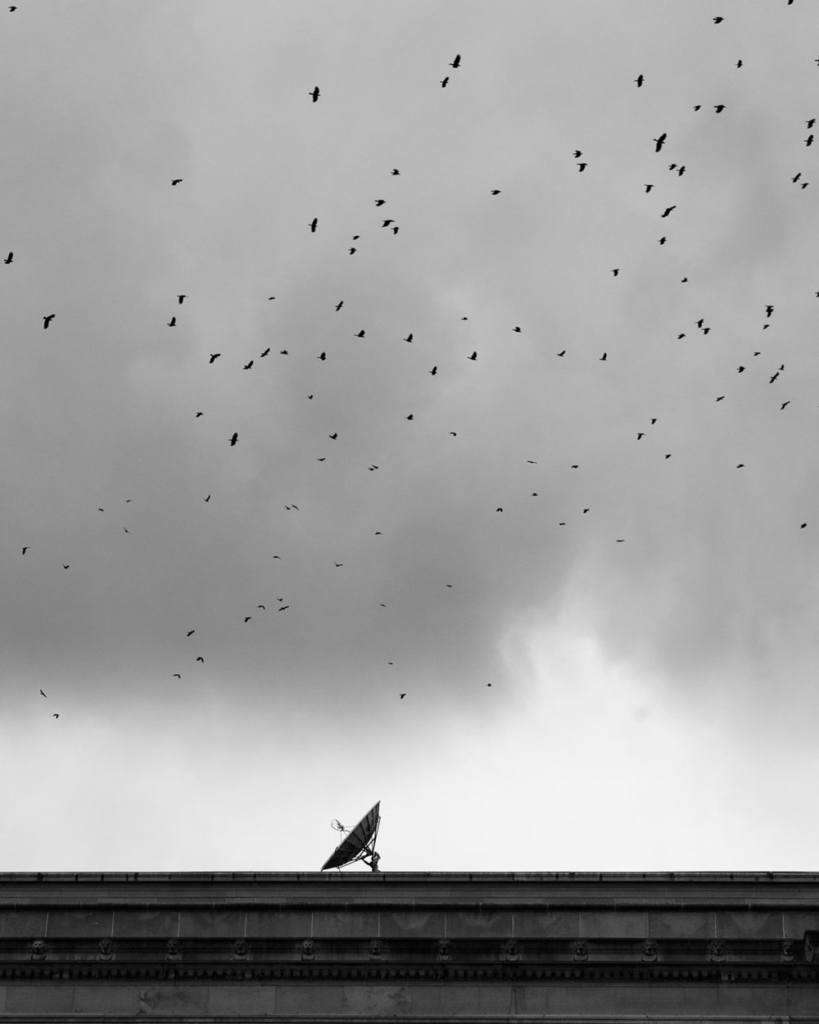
[519, 531]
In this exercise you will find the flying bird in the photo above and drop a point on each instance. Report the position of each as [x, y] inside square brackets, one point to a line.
[172, 322]
[213, 357]
[718, 19]
[811, 123]
[659, 142]
[616, 271]
[444, 82]
[380, 202]
[190, 632]
[719, 107]
[809, 140]
[200, 658]
[563, 353]
[668, 210]
[495, 192]
[176, 675]
[47, 320]
[433, 371]
[582, 167]
[649, 188]
[315, 93]
[395, 171]
[233, 440]
[176, 181]
[265, 353]
[42, 694]
[54, 715]
[639, 80]
[9, 258]
[473, 357]
[181, 298]
[360, 334]
[409, 337]
[25, 549]
[248, 365]
[456, 63]
[312, 224]
[603, 357]
[352, 250]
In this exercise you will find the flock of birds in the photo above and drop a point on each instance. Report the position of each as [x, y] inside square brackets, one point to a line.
[774, 374]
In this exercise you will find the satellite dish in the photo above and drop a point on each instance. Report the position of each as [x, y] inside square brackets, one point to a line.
[359, 844]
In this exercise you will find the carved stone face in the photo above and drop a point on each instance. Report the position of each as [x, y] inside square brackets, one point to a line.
[649, 950]
[307, 949]
[375, 947]
[106, 949]
[580, 950]
[172, 951]
[444, 949]
[240, 948]
[38, 949]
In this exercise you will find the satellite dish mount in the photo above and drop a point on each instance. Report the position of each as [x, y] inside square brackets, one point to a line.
[359, 842]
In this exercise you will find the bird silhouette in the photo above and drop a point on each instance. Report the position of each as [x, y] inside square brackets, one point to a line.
[200, 658]
[54, 715]
[668, 210]
[322, 357]
[176, 181]
[495, 192]
[352, 251]
[25, 549]
[639, 80]
[176, 675]
[265, 353]
[172, 322]
[582, 167]
[659, 142]
[409, 337]
[312, 224]
[809, 140]
[333, 437]
[339, 305]
[247, 366]
[190, 632]
[719, 107]
[473, 357]
[433, 371]
[603, 357]
[207, 499]
[395, 171]
[444, 82]
[47, 320]
[315, 93]
[649, 188]
[9, 258]
[563, 353]
[42, 694]
[234, 439]
[457, 62]
[213, 357]
[380, 202]
[718, 19]
[616, 271]
[360, 334]
[181, 298]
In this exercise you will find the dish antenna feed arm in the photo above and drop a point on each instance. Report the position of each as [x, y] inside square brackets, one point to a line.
[359, 842]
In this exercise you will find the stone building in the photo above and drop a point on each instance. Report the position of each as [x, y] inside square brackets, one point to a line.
[366, 947]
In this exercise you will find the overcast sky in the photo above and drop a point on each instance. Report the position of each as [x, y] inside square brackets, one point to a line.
[587, 556]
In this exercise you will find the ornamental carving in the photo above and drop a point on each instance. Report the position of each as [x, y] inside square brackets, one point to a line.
[308, 950]
[649, 951]
[172, 950]
[787, 952]
[512, 950]
[444, 949]
[38, 950]
[716, 951]
[580, 950]
[375, 949]
[240, 949]
[106, 949]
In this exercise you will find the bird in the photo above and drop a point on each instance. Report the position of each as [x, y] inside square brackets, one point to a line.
[640, 435]
[409, 337]
[65, 567]
[322, 356]
[172, 322]
[719, 107]
[338, 565]
[176, 181]
[809, 140]
[339, 305]
[577, 154]
[649, 188]
[795, 179]
[433, 371]
[718, 19]
[781, 407]
[176, 675]
[213, 357]
[616, 271]
[395, 171]
[563, 353]
[582, 167]
[265, 353]
[207, 499]
[25, 549]
[190, 632]
[662, 240]
[284, 352]
[54, 715]
[315, 93]
[659, 142]
[667, 211]
[495, 192]
[811, 123]
[352, 250]
[360, 334]
[248, 618]
[473, 357]
[681, 170]
[395, 230]
[401, 696]
[603, 357]
[200, 658]
[740, 465]
[181, 298]
[47, 320]
[380, 202]
[739, 63]
[42, 694]
[774, 377]
[234, 439]
[262, 607]
[769, 310]
[333, 437]
[720, 398]
[639, 80]
[410, 417]
[312, 224]
[248, 365]
[456, 63]
[516, 330]
[444, 82]
[9, 258]
[740, 369]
